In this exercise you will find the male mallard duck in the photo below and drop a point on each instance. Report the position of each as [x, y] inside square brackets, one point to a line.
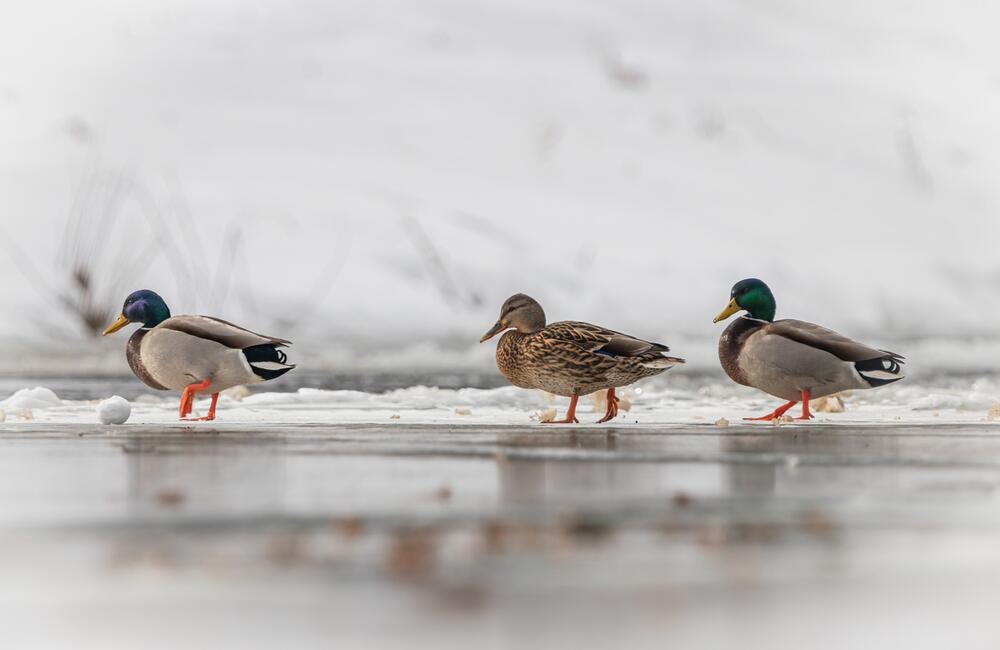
[793, 359]
[570, 358]
[194, 353]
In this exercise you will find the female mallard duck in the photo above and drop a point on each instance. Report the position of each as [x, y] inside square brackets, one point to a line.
[194, 353]
[793, 359]
[570, 358]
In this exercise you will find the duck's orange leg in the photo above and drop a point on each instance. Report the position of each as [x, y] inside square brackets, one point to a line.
[612, 411]
[570, 413]
[187, 397]
[806, 415]
[776, 413]
[211, 410]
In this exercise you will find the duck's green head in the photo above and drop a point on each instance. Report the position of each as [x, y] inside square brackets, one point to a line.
[143, 306]
[753, 296]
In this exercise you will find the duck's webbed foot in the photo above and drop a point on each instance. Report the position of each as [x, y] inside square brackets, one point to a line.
[211, 411]
[806, 414]
[612, 411]
[776, 413]
[187, 397]
[570, 413]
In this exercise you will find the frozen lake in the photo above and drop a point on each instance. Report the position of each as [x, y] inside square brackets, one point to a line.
[437, 534]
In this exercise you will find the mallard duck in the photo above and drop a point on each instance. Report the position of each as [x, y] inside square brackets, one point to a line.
[194, 353]
[792, 359]
[571, 358]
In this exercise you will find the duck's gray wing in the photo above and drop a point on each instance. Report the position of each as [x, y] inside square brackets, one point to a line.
[821, 338]
[220, 331]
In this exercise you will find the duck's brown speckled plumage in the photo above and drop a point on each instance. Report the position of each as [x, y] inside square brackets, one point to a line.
[574, 358]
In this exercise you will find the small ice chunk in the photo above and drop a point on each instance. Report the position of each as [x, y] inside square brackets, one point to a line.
[38, 397]
[114, 410]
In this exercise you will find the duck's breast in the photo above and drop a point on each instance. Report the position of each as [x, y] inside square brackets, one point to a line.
[134, 358]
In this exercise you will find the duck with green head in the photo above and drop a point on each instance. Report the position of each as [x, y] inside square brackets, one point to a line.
[194, 354]
[792, 359]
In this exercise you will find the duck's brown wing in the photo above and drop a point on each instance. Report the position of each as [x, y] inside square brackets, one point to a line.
[600, 340]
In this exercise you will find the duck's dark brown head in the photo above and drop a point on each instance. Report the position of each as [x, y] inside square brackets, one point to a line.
[520, 312]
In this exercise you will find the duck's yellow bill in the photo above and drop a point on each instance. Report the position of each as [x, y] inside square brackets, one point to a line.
[730, 309]
[499, 327]
[115, 326]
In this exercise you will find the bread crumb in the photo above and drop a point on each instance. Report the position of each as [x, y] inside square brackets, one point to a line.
[828, 404]
[548, 415]
[237, 393]
[722, 422]
[461, 410]
[993, 414]
[394, 416]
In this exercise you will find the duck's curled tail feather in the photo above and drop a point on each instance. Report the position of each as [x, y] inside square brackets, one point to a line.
[267, 361]
[881, 370]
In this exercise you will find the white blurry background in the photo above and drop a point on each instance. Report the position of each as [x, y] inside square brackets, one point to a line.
[374, 178]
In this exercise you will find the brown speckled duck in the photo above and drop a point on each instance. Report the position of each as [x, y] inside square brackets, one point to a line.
[571, 358]
[792, 359]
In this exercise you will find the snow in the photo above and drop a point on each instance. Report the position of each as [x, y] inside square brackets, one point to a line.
[402, 167]
[114, 410]
[38, 397]
[657, 403]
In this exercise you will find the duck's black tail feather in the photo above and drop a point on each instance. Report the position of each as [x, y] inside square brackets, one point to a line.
[267, 361]
[881, 370]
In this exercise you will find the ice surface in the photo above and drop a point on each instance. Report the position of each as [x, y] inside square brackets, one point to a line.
[460, 535]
